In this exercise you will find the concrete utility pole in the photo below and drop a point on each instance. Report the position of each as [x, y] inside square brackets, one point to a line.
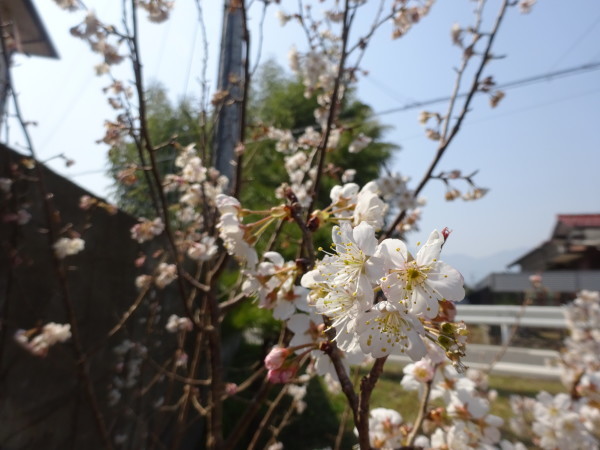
[230, 80]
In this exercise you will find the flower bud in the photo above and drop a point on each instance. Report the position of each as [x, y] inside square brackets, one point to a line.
[276, 357]
[282, 375]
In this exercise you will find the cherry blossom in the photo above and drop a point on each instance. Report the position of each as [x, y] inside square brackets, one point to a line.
[419, 283]
[68, 246]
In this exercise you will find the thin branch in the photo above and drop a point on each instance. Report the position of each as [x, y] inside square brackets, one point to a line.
[367, 385]
[267, 417]
[446, 140]
[321, 150]
[145, 132]
[249, 415]
[422, 413]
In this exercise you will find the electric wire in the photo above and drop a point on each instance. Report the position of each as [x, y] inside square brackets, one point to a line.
[548, 76]
[577, 41]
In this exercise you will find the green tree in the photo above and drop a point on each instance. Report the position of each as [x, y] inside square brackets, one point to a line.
[166, 123]
[278, 101]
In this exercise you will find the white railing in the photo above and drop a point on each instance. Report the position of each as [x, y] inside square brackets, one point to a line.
[516, 361]
[506, 316]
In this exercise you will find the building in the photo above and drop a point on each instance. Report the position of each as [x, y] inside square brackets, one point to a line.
[24, 33]
[568, 261]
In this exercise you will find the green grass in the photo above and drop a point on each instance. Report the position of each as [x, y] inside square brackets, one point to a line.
[325, 410]
[318, 425]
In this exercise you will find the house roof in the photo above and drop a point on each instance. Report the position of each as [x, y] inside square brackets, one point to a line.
[579, 220]
[565, 223]
[29, 28]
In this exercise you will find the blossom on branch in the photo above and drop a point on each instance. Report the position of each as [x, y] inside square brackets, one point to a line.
[49, 335]
[68, 246]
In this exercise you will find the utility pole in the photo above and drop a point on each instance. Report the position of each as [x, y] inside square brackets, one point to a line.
[230, 79]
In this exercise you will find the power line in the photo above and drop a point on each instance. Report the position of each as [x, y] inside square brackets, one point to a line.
[512, 112]
[577, 41]
[511, 84]
[548, 76]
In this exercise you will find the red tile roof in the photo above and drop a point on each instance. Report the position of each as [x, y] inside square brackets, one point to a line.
[579, 220]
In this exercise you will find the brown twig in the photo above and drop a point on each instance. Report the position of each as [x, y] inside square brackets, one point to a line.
[251, 412]
[266, 418]
[321, 150]
[147, 141]
[447, 137]
[367, 385]
[410, 440]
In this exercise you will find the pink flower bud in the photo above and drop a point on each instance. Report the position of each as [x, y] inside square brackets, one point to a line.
[231, 388]
[276, 357]
[282, 375]
[446, 232]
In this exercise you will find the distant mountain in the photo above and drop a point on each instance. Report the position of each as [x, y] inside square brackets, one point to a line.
[474, 269]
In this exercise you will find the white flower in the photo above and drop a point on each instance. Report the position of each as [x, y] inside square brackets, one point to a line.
[50, 334]
[387, 329]
[359, 143]
[343, 196]
[348, 175]
[68, 246]
[369, 207]
[274, 283]
[176, 323]
[417, 373]
[167, 273]
[227, 204]
[5, 184]
[385, 428]
[194, 171]
[147, 229]
[343, 304]
[231, 231]
[142, 281]
[204, 250]
[419, 283]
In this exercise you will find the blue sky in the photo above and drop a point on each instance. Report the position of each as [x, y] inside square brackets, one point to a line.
[538, 152]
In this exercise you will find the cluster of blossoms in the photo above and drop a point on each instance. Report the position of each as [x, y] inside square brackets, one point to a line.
[176, 324]
[407, 16]
[273, 282]
[299, 159]
[236, 236]
[166, 274]
[196, 186]
[18, 215]
[376, 298]
[379, 296]
[98, 36]
[557, 421]
[581, 354]
[68, 246]
[129, 359]
[147, 229]
[158, 10]
[569, 420]
[462, 422]
[465, 420]
[38, 341]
